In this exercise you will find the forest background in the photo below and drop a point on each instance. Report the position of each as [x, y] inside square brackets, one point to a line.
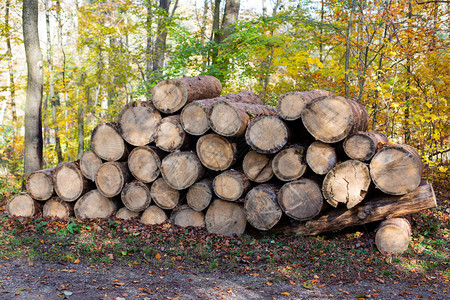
[392, 56]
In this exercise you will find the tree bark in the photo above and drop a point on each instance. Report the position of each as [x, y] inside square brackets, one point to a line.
[12, 85]
[160, 42]
[230, 17]
[347, 49]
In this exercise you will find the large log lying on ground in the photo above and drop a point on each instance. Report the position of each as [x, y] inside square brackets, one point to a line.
[267, 134]
[144, 163]
[170, 135]
[224, 217]
[290, 163]
[199, 194]
[111, 178]
[216, 152]
[39, 184]
[153, 215]
[261, 207]
[231, 185]
[257, 166]
[393, 236]
[291, 105]
[181, 169]
[321, 157]
[89, 164]
[107, 142]
[22, 205]
[163, 195]
[56, 207]
[136, 196]
[185, 216]
[69, 181]
[93, 205]
[363, 145]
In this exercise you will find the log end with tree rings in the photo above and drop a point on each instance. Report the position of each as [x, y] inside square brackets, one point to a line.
[199, 195]
[137, 122]
[170, 135]
[181, 169]
[185, 216]
[69, 182]
[393, 236]
[163, 195]
[226, 120]
[290, 164]
[126, 214]
[39, 184]
[194, 118]
[267, 134]
[111, 178]
[396, 170]
[153, 215]
[291, 105]
[321, 157]
[363, 145]
[257, 166]
[216, 152]
[58, 208]
[261, 207]
[231, 185]
[93, 205]
[301, 199]
[226, 218]
[22, 205]
[346, 183]
[89, 164]
[136, 196]
[107, 143]
[144, 163]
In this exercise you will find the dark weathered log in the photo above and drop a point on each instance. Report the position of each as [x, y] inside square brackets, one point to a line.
[393, 236]
[397, 169]
[257, 166]
[321, 157]
[181, 169]
[58, 208]
[93, 205]
[364, 145]
[144, 163]
[126, 214]
[153, 215]
[170, 95]
[224, 217]
[301, 199]
[185, 216]
[89, 164]
[69, 182]
[22, 205]
[331, 119]
[107, 143]
[346, 183]
[232, 118]
[216, 152]
[163, 195]
[231, 185]
[267, 134]
[170, 135]
[194, 116]
[111, 177]
[39, 184]
[137, 122]
[291, 105]
[290, 163]
[261, 207]
[199, 194]
[136, 196]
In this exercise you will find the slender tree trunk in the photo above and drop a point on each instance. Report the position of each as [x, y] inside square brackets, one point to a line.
[230, 17]
[321, 31]
[81, 113]
[203, 33]
[160, 43]
[347, 49]
[406, 129]
[215, 33]
[12, 85]
[148, 51]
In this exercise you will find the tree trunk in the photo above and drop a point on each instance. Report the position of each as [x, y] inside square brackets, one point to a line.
[107, 143]
[89, 164]
[126, 214]
[364, 145]
[136, 196]
[169, 134]
[393, 236]
[291, 105]
[226, 218]
[144, 163]
[215, 32]
[216, 152]
[58, 208]
[321, 157]
[160, 42]
[93, 205]
[39, 184]
[261, 207]
[257, 167]
[153, 215]
[22, 205]
[69, 182]
[231, 185]
[347, 49]
[185, 216]
[199, 194]
[111, 177]
[148, 49]
[163, 195]
[12, 85]
[230, 17]
[181, 169]
[290, 164]
[267, 134]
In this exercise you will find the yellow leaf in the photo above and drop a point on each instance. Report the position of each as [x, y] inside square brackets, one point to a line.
[269, 283]
[310, 60]
[285, 293]
[316, 277]
[158, 256]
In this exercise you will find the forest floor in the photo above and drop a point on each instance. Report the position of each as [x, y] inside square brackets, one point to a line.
[112, 259]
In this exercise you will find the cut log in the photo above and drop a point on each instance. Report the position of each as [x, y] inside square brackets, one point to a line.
[137, 122]
[257, 166]
[22, 205]
[231, 185]
[331, 119]
[93, 205]
[346, 183]
[291, 105]
[226, 218]
[376, 208]
[321, 157]
[69, 182]
[185, 216]
[216, 152]
[396, 170]
[111, 177]
[170, 95]
[199, 194]
[170, 135]
[144, 163]
[58, 208]
[126, 214]
[364, 145]
[301, 199]
[194, 116]
[89, 164]
[163, 195]
[290, 164]
[231, 118]
[181, 169]
[393, 236]
[153, 215]
[267, 134]
[261, 207]
[39, 184]
[136, 196]
[107, 143]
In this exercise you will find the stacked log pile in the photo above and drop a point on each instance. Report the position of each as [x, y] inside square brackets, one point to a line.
[198, 158]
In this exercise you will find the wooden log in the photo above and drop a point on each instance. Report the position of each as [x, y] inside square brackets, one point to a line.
[107, 143]
[364, 145]
[393, 236]
[346, 183]
[321, 157]
[257, 166]
[93, 205]
[170, 95]
[199, 194]
[376, 208]
[144, 163]
[194, 116]
[290, 163]
[231, 185]
[69, 182]
[267, 134]
[153, 215]
[170, 135]
[261, 207]
[89, 164]
[397, 169]
[55, 207]
[291, 105]
[22, 205]
[126, 214]
[301, 199]
[39, 184]
[137, 122]
[331, 119]
[136, 196]
[181, 169]
[111, 177]
[216, 152]
[163, 195]
[226, 218]
[231, 118]
[185, 216]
